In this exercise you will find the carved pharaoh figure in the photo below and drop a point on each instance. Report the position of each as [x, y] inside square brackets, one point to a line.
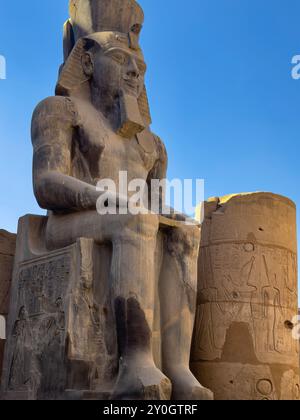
[96, 126]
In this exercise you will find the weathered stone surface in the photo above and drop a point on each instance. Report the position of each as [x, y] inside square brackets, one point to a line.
[6, 267]
[7, 252]
[58, 320]
[247, 299]
[113, 313]
[2, 344]
[7, 243]
[62, 341]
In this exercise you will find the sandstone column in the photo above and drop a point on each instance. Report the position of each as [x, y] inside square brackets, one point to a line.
[243, 342]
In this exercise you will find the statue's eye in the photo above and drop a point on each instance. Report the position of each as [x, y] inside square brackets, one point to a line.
[119, 58]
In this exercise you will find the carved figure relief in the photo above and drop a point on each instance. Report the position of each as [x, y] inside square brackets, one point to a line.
[247, 283]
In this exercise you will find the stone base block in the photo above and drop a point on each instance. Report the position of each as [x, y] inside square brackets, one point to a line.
[60, 327]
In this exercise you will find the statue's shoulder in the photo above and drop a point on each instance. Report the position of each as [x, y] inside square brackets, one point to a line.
[60, 108]
[52, 117]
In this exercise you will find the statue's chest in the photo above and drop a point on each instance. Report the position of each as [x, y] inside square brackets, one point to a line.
[98, 152]
[105, 155]
[120, 154]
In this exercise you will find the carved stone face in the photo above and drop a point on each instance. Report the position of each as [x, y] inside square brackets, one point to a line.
[115, 69]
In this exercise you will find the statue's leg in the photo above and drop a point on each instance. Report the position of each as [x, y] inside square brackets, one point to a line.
[178, 294]
[132, 283]
[132, 293]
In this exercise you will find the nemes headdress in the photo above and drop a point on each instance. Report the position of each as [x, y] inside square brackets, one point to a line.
[101, 22]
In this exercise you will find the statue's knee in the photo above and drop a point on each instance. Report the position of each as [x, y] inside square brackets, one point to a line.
[184, 241]
[144, 225]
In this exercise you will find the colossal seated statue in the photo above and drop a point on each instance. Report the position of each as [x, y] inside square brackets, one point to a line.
[97, 126]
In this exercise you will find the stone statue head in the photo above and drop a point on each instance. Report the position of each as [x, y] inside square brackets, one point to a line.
[112, 65]
[102, 55]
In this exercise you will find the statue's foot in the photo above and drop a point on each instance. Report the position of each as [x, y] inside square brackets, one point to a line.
[186, 387]
[141, 383]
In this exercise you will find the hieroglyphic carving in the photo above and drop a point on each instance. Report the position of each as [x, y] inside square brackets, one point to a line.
[237, 381]
[88, 317]
[247, 299]
[228, 298]
[38, 333]
[247, 283]
[41, 284]
[61, 324]
[86, 263]
[274, 304]
[265, 387]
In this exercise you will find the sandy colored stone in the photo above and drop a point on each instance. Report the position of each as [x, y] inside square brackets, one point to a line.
[7, 251]
[7, 243]
[6, 267]
[111, 298]
[247, 298]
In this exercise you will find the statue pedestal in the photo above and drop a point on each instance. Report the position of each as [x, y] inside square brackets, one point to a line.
[61, 340]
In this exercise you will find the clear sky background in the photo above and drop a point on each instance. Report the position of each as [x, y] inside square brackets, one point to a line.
[219, 83]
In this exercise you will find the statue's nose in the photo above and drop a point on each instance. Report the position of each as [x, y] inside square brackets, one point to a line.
[133, 70]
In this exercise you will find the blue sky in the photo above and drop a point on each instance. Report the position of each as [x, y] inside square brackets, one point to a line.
[219, 83]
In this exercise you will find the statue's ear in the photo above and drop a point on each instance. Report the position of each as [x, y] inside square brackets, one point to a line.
[87, 63]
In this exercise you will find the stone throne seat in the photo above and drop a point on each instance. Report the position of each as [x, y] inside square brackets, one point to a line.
[60, 342]
[60, 316]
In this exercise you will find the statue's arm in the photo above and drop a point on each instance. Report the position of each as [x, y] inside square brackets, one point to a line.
[53, 126]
